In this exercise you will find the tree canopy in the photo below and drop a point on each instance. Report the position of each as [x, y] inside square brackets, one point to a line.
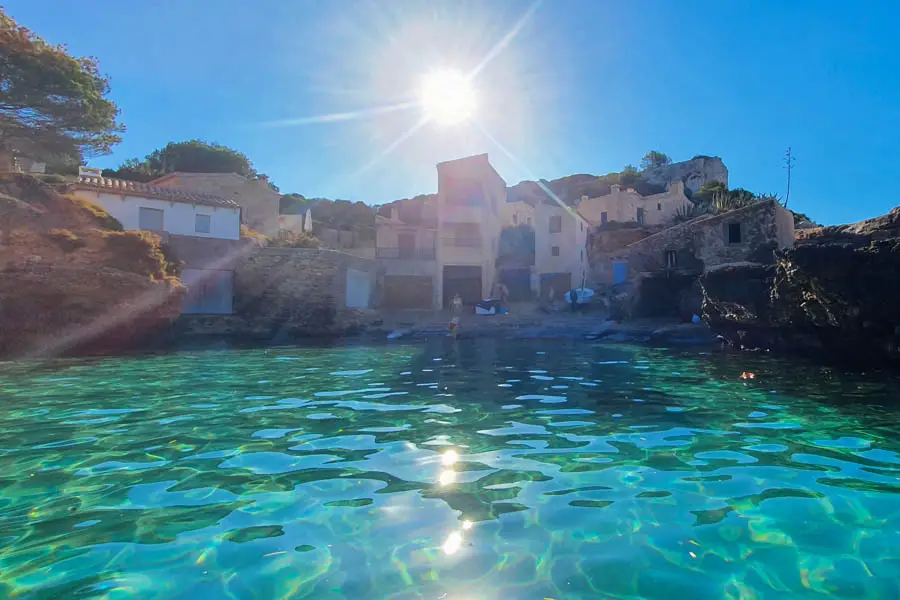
[192, 156]
[51, 103]
[332, 214]
[654, 159]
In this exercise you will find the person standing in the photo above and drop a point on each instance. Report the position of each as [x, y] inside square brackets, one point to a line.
[501, 293]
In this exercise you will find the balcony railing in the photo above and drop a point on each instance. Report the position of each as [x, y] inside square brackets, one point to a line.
[463, 242]
[405, 253]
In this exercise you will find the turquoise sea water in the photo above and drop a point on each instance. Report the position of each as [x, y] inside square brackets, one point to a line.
[458, 471]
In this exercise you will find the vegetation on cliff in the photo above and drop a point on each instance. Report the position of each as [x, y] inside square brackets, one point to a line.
[71, 279]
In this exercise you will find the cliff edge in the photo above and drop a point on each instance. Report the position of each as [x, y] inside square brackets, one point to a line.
[71, 280]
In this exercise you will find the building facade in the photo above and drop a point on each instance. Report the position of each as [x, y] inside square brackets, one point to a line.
[405, 246]
[626, 205]
[152, 208]
[434, 247]
[470, 196]
[259, 203]
[561, 260]
[705, 242]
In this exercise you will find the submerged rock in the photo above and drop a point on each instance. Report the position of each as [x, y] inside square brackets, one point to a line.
[835, 294]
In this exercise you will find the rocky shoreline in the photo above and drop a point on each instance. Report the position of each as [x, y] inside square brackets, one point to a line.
[834, 296]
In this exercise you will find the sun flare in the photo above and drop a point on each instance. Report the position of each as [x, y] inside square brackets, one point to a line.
[447, 97]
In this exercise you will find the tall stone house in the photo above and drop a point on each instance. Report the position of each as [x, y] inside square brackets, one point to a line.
[259, 203]
[435, 247]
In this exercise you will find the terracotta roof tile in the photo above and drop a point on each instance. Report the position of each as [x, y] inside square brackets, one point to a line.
[146, 190]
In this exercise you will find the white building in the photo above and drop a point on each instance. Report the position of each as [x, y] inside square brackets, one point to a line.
[173, 210]
[560, 242]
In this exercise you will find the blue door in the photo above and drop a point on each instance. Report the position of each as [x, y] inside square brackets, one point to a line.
[210, 292]
[620, 272]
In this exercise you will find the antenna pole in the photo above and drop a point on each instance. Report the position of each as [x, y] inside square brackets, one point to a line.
[789, 165]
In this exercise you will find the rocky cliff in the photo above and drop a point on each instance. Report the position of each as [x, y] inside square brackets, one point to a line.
[836, 294]
[70, 280]
[694, 173]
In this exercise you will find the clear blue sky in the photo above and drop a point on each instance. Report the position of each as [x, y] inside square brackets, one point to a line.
[584, 86]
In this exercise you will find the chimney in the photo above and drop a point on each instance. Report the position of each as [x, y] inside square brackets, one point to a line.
[584, 198]
[614, 189]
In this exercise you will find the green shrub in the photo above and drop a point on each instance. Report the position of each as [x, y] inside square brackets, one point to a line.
[689, 211]
[97, 213]
[246, 232]
[174, 265]
[65, 239]
[303, 239]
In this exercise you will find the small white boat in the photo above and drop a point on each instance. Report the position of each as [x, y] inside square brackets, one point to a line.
[584, 295]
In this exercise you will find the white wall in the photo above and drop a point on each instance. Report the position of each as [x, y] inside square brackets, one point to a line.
[572, 242]
[178, 217]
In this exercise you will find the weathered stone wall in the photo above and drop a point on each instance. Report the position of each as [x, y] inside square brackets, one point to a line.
[284, 293]
[609, 243]
[207, 253]
[704, 242]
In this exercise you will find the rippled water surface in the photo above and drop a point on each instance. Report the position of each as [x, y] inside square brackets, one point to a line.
[462, 471]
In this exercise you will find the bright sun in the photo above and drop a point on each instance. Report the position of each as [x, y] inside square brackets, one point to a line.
[447, 97]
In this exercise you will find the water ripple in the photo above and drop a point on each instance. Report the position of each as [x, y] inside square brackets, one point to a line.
[457, 470]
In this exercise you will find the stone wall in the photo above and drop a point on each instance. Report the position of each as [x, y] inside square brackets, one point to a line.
[704, 242]
[286, 293]
[207, 253]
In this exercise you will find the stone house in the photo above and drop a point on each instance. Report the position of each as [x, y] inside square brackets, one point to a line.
[470, 196]
[405, 245]
[259, 203]
[434, 247]
[514, 214]
[627, 205]
[149, 207]
[661, 271]
[699, 244]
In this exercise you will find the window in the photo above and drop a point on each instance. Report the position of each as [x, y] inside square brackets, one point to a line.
[201, 223]
[515, 218]
[554, 251]
[604, 217]
[734, 233]
[528, 220]
[406, 245]
[659, 206]
[150, 219]
[671, 259]
[556, 224]
[640, 216]
[582, 225]
[466, 235]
